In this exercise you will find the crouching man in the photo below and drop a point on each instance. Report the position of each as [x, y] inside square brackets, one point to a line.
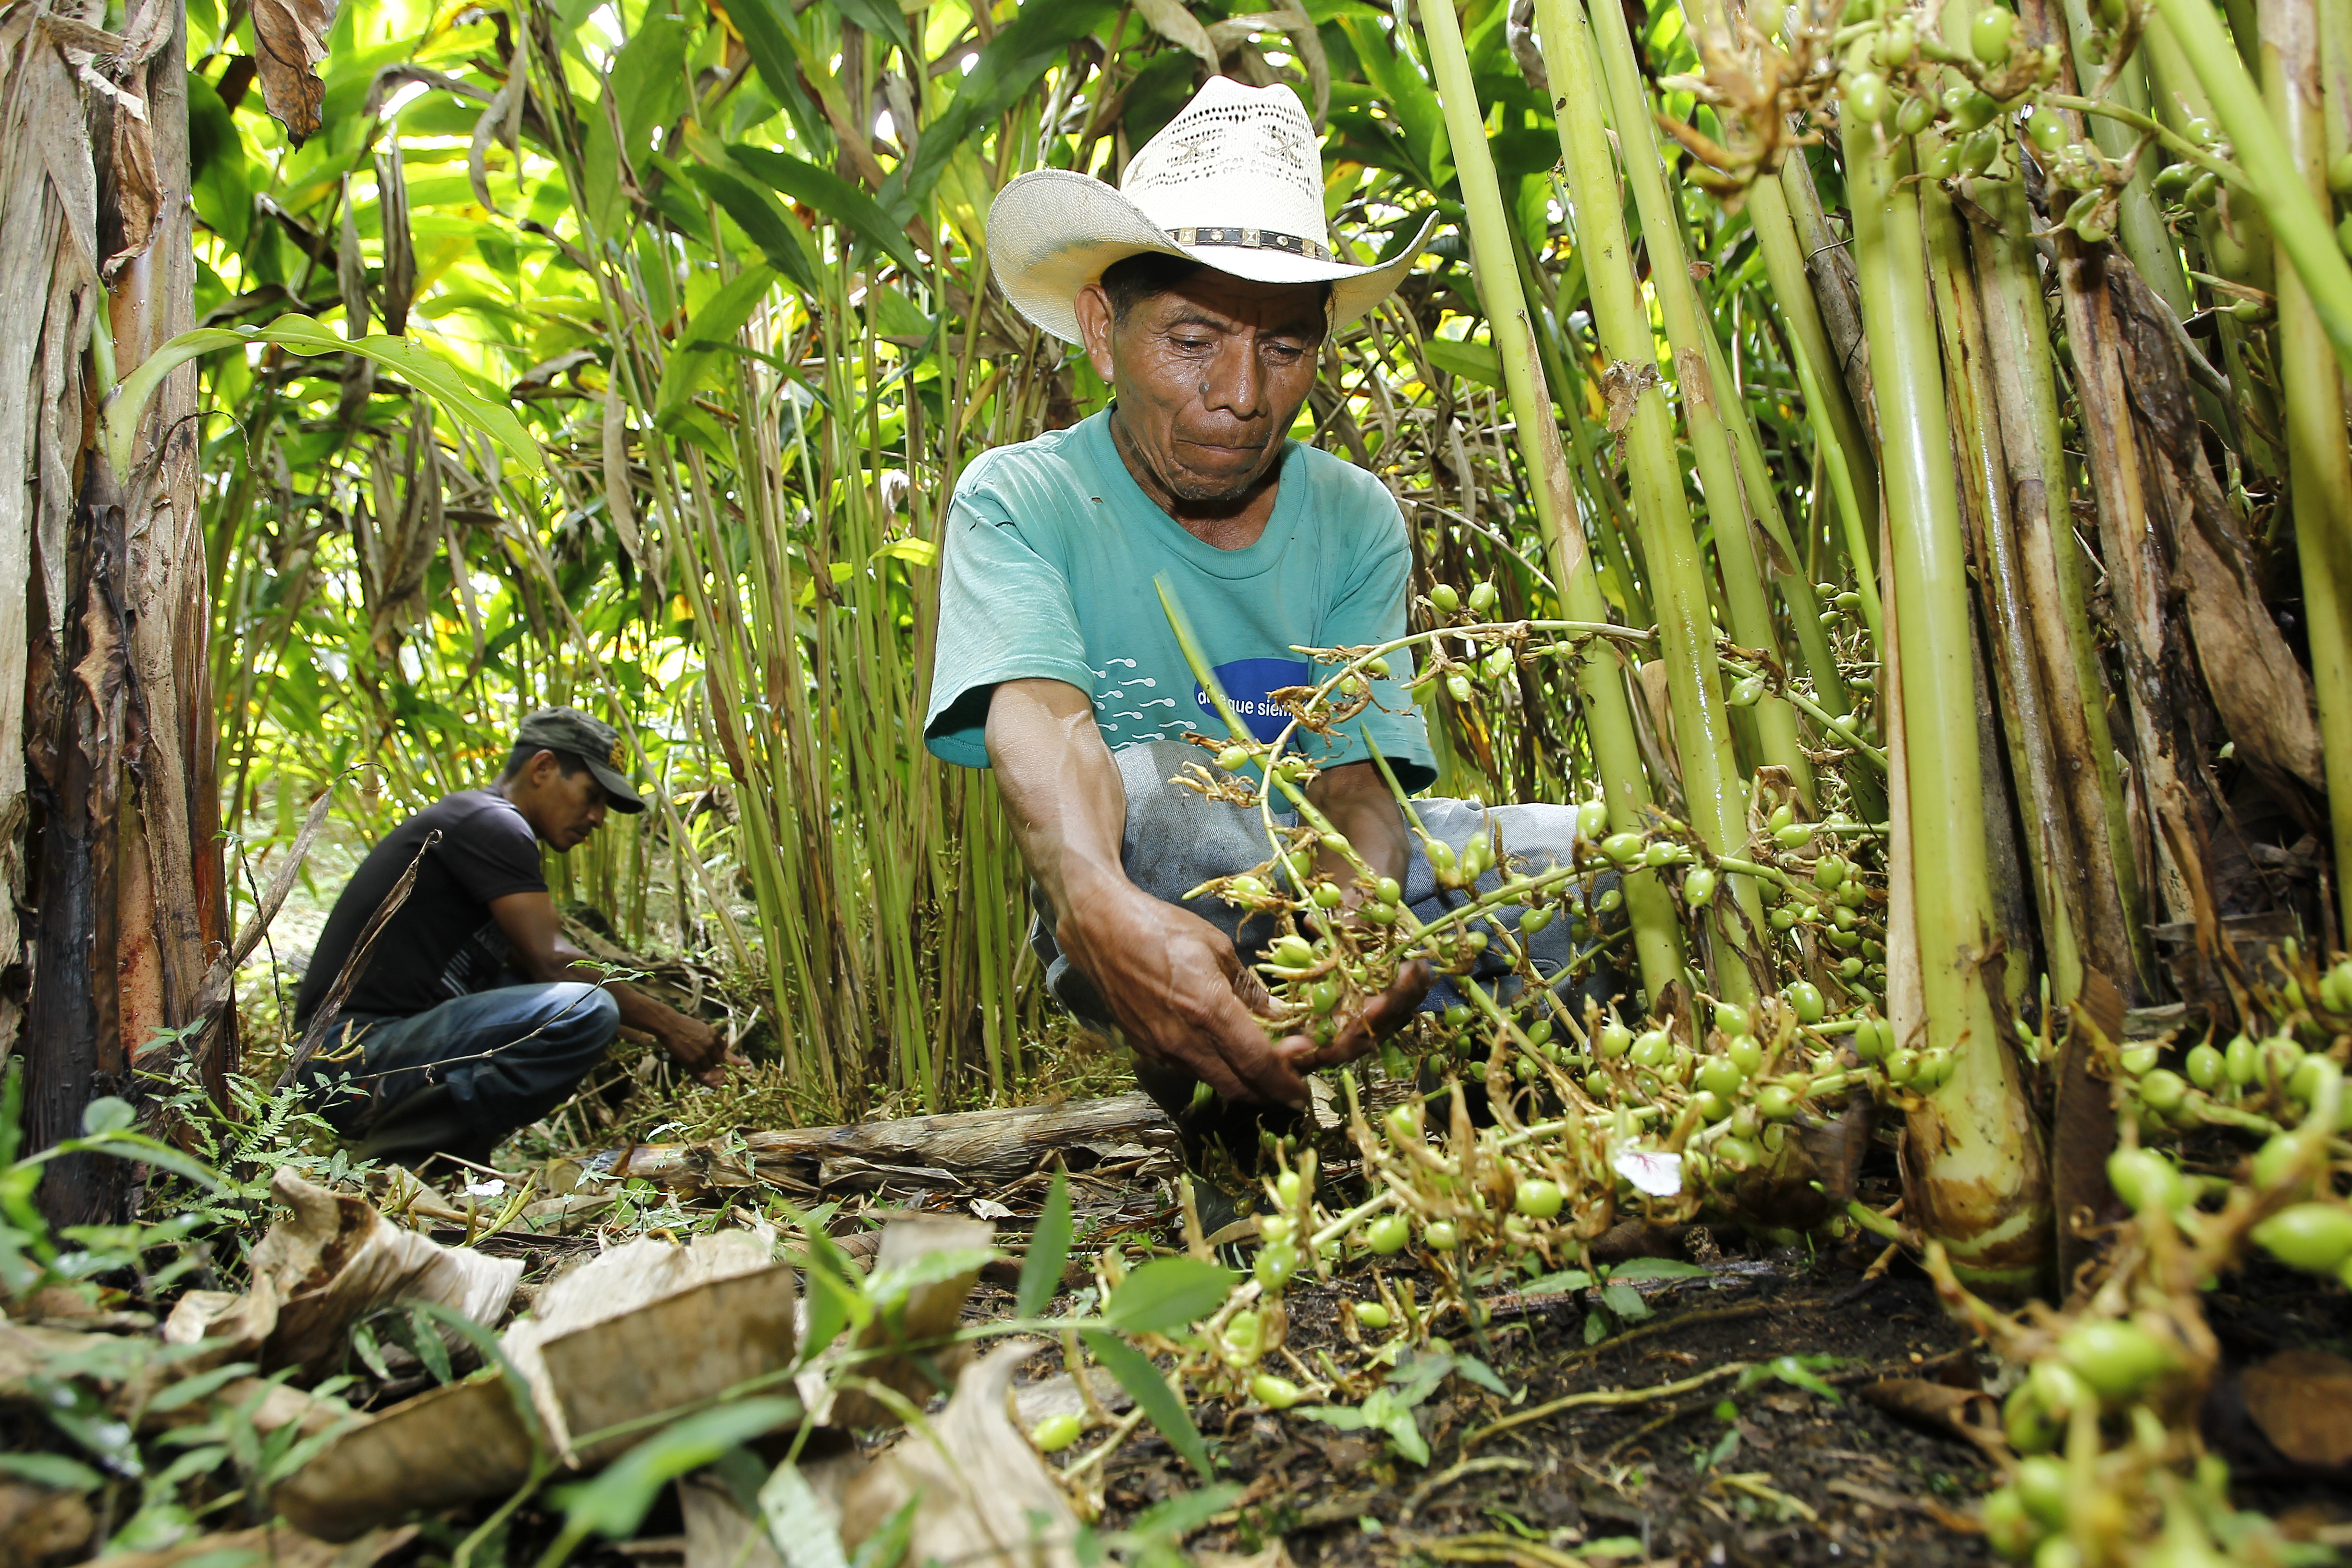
[471, 1015]
[1201, 290]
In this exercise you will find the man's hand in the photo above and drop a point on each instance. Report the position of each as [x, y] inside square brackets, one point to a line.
[697, 1047]
[537, 947]
[1383, 1016]
[1180, 991]
[1172, 981]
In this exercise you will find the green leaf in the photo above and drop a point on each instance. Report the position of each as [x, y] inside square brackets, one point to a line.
[772, 55]
[716, 324]
[1473, 1370]
[1171, 1520]
[616, 1503]
[12, 1110]
[1345, 1418]
[1408, 99]
[411, 363]
[777, 233]
[836, 1291]
[77, 1413]
[1022, 51]
[880, 17]
[835, 197]
[108, 1113]
[188, 1389]
[891, 1286]
[1391, 1414]
[797, 1524]
[425, 1339]
[897, 318]
[1659, 1268]
[1166, 1294]
[887, 1547]
[1624, 1301]
[120, 423]
[1472, 362]
[648, 80]
[1558, 1284]
[422, 369]
[921, 551]
[1150, 1391]
[52, 1470]
[493, 1353]
[147, 1151]
[1797, 1374]
[1049, 1249]
[1416, 1376]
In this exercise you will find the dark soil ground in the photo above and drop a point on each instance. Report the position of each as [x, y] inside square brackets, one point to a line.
[1760, 1469]
[1773, 1474]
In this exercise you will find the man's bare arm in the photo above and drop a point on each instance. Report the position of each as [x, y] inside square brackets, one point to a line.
[1171, 980]
[535, 936]
[1356, 800]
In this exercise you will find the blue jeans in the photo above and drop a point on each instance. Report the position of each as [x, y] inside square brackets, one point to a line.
[458, 1078]
[1176, 839]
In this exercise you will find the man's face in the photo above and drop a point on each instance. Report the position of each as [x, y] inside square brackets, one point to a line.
[1208, 376]
[564, 810]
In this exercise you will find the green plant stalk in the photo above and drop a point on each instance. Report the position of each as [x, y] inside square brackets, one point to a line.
[2335, 77]
[2319, 460]
[1977, 1180]
[1562, 372]
[1709, 409]
[2297, 217]
[2097, 874]
[1805, 605]
[1678, 577]
[2140, 226]
[2179, 97]
[1822, 245]
[1657, 936]
[1839, 465]
[1801, 314]
[1801, 318]
[1986, 497]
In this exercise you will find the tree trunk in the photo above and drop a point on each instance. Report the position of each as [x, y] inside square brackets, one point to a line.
[109, 827]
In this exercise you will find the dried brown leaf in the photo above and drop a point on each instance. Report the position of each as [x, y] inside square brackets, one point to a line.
[1969, 1413]
[2301, 1400]
[290, 40]
[986, 1497]
[1621, 386]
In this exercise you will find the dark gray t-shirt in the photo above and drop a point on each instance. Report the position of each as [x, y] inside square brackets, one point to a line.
[443, 943]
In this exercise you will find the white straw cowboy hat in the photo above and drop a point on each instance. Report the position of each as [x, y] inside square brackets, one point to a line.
[1235, 182]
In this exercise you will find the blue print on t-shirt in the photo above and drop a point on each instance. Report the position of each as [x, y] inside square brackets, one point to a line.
[1246, 682]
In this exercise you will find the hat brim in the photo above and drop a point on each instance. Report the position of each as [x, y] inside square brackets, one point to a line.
[620, 789]
[1051, 232]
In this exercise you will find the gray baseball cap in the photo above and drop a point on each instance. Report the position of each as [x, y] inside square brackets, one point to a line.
[594, 741]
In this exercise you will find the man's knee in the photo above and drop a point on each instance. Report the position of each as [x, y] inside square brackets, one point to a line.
[581, 1016]
[1177, 838]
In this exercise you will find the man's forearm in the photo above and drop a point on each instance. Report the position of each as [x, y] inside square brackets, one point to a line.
[1355, 799]
[1061, 790]
[638, 1011]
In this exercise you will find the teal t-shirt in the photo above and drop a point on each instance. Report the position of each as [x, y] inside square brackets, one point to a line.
[1050, 553]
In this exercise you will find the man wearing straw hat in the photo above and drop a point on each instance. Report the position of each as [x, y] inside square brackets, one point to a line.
[1201, 290]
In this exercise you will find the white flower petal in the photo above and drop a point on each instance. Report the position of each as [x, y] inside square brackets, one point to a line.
[1658, 1174]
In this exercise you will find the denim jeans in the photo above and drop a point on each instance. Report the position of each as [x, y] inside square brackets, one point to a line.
[1177, 840]
[458, 1078]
